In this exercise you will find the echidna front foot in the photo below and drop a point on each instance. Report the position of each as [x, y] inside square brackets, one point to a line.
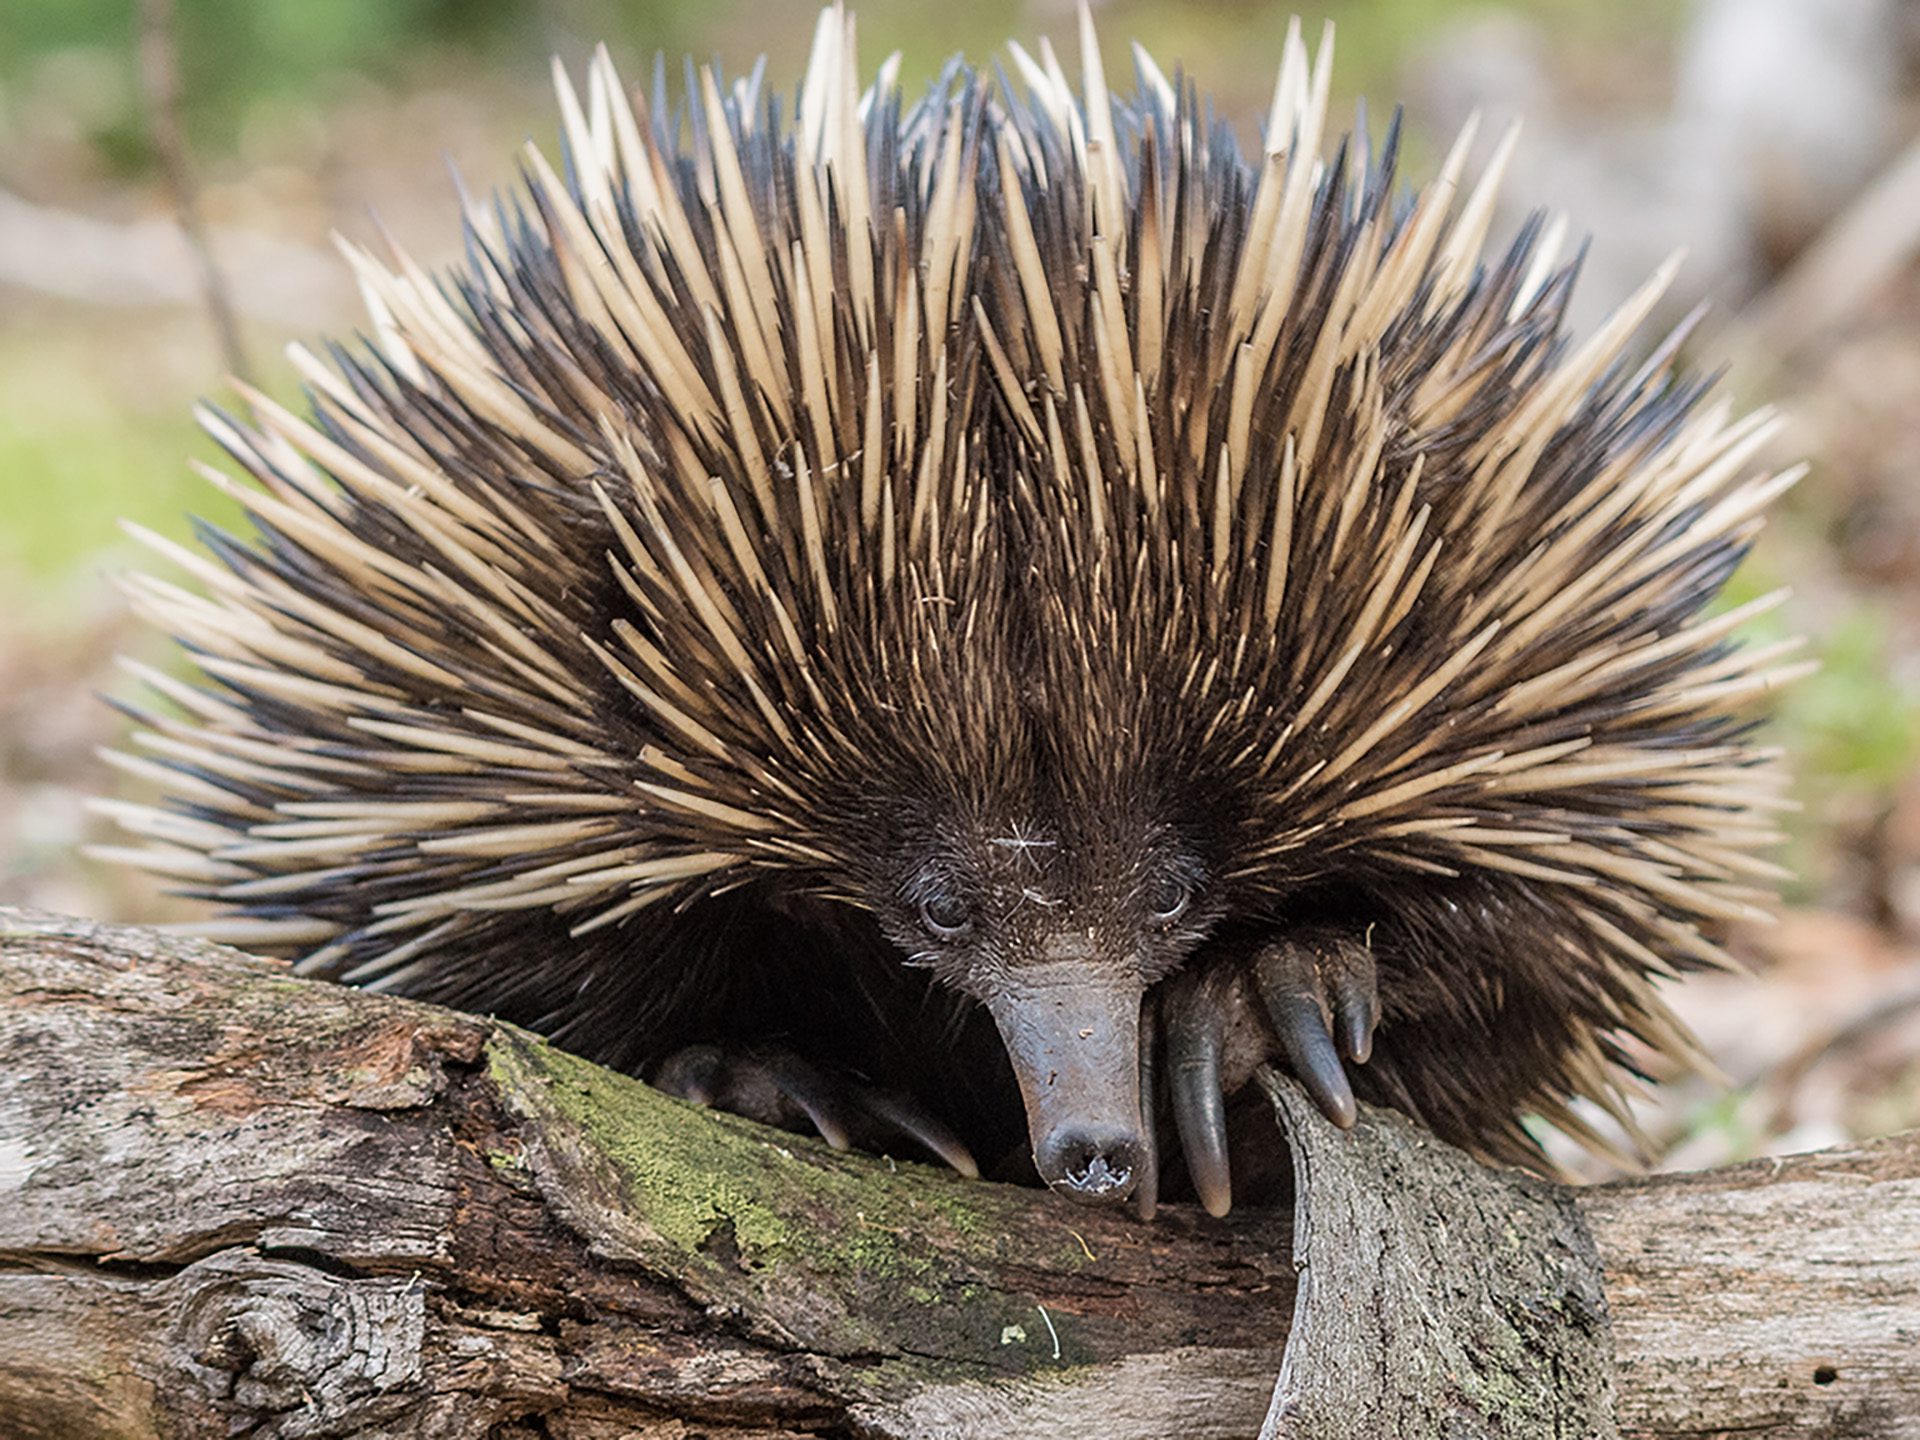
[1322, 996]
[777, 1087]
[1314, 997]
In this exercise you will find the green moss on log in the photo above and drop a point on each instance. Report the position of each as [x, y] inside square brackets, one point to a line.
[775, 1222]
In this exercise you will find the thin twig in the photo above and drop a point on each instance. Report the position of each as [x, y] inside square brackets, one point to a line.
[160, 86]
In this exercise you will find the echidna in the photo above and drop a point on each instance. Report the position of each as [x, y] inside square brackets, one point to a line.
[869, 617]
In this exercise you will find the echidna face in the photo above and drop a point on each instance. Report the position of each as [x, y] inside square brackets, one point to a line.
[1059, 930]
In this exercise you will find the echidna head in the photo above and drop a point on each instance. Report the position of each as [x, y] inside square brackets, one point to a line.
[1057, 907]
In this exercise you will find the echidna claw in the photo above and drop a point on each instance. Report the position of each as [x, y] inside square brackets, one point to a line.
[1307, 1042]
[1322, 997]
[776, 1087]
[903, 1115]
[1356, 1010]
[1321, 1004]
[695, 1073]
[1146, 1190]
[803, 1083]
[1196, 1017]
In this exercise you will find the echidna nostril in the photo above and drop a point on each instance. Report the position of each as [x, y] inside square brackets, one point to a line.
[1091, 1167]
[1097, 1173]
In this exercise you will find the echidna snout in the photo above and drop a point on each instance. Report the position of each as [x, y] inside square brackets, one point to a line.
[1072, 1031]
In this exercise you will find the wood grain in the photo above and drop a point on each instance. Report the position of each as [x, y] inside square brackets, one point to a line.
[235, 1201]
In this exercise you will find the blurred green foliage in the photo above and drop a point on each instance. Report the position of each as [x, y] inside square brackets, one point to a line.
[74, 459]
[1857, 722]
[233, 52]
[1851, 731]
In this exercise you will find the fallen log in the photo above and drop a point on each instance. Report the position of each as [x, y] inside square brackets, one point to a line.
[230, 1199]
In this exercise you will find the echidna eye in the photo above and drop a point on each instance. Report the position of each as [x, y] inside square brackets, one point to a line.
[946, 916]
[1171, 894]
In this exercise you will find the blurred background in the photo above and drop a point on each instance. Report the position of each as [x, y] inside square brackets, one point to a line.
[171, 171]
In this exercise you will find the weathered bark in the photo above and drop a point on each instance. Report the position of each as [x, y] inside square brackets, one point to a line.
[231, 1198]
[1438, 1297]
